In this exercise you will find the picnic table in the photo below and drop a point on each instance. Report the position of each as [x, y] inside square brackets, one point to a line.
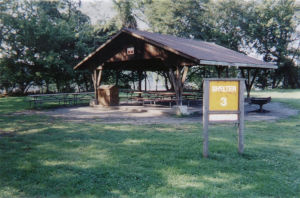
[154, 97]
[65, 98]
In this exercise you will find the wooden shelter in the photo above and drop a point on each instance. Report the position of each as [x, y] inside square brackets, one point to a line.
[144, 51]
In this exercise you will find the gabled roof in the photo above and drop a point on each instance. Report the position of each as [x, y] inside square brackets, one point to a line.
[200, 52]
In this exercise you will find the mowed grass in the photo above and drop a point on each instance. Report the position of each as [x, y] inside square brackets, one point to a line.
[45, 157]
[288, 96]
[10, 105]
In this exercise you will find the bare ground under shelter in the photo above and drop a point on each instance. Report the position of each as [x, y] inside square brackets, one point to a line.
[140, 115]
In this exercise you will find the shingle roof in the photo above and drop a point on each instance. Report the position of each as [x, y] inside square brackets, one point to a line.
[201, 52]
[204, 52]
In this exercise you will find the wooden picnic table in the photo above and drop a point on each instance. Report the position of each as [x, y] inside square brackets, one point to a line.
[66, 98]
[160, 96]
[171, 97]
[173, 94]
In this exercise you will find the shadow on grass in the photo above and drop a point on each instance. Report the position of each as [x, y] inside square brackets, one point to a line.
[47, 158]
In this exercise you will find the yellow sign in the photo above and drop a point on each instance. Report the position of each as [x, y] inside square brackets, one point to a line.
[224, 96]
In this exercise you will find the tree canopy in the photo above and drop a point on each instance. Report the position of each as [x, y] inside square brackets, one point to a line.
[41, 41]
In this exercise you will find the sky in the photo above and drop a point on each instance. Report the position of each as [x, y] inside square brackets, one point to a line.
[101, 10]
[97, 9]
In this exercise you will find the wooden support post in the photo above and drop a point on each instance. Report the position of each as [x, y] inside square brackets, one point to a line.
[205, 118]
[94, 78]
[98, 82]
[99, 76]
[174, 82]
[132, 77]
[140, 73]
[179, 85]
[145, 81]
[184, 75]
[241, 119]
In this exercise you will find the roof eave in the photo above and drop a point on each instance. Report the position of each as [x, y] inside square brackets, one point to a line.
[196, 60]
[97, 50]
[219, 63]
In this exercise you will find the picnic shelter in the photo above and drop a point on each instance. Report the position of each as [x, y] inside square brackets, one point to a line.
[141, 51]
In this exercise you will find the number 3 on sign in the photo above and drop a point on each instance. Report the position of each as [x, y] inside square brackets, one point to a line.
[223, 101]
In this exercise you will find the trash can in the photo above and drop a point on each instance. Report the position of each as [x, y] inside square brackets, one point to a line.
[108, 95]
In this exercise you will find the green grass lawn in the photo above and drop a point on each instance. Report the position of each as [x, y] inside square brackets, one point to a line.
[45, 157]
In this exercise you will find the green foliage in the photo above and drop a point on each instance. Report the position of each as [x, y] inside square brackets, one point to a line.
[42, 41]
[273, 33]
[266, 27]
[125, 16]
[181, 18]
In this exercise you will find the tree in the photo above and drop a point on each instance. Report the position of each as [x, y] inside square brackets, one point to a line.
[273, 32]
[125, 15]
[42, 41]
[180, 18]
[265, 26]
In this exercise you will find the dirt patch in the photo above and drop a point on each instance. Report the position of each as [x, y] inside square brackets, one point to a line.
[7, 133]
[275, 110]
[137, 115]
[140, 115]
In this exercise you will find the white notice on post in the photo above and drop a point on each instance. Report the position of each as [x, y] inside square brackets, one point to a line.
[223, 117]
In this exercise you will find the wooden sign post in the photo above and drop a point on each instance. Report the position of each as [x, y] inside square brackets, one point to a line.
[223, 102]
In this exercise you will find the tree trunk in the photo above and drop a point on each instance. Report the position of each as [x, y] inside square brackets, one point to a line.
[166, 81]
[177, 79]
[172, 86]
[249, 82]
[58, 86]
[47, 87]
